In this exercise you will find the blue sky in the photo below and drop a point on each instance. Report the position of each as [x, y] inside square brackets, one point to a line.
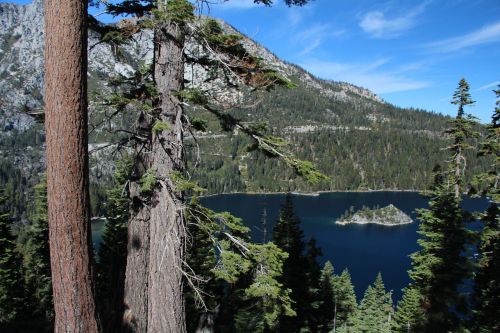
[411, 53]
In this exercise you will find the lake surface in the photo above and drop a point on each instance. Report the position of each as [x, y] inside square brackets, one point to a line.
[364, 249]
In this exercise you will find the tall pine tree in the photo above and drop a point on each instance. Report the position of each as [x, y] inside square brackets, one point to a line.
[440, 266]
[327, 309]
[154, 296]
[486, 299]
[375, 310]
[409, 316]
[301, 272]
[113, 250]
[345, 302]
[338, 308]
[289, 237]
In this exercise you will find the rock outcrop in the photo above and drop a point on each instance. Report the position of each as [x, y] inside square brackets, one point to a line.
[386, 216]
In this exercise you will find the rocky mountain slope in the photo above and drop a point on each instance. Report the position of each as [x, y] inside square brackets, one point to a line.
[21, 63]
[352, 134]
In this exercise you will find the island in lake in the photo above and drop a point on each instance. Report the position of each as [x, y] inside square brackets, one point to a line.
[387, 216]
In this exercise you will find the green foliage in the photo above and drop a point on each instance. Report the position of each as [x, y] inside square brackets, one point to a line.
[269, 259]
[327, 309]
[375, 310]
[274, 146]
[199, 124]
[357, 154]
[441, 265]
[231, 264]
[115, 36]
[409, 315]
[345, 298]
[462, 97]
[227, 255]
[36, 257]
[486, 298]
[182, 184]
[179, 11]
[202, 257]
[112, 253]
[160, 126]
[490, 147]
[11, 286]
[301, 273]
[148, 181]
[248, 68]
[278, 79]
[192, 95]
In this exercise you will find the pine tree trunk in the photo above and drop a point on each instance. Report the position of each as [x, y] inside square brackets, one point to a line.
[458, 161]
[154, 293]
[67, 165]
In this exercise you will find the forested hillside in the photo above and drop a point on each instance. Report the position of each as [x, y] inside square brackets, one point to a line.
[361, 143]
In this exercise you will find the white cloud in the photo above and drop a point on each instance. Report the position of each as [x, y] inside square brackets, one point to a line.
[487, 34]
[371, 75]
[378, 25]
[488, 86]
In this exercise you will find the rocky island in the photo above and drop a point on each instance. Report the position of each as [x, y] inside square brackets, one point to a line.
[387, 216]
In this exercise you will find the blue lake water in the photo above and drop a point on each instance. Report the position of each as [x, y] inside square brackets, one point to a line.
[364, 249]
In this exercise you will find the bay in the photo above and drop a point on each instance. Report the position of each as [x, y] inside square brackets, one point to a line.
[363, 249]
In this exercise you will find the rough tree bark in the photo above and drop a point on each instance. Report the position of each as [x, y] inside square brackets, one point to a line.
[67, 165]
[153, 287]
[458, 167]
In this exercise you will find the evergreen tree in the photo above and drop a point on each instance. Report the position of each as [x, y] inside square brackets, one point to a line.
[11, 285]
[160, 150]
[201, 257]
[345, 300]
[301, 272]
[327, 309]
[313, 274]
[440, 266]
[338, 307]
[486, 298]
[409, 313]
[232, 283]
[288, 236]
[461, 129]
[375, 309]
[36, 256]
[113, 250]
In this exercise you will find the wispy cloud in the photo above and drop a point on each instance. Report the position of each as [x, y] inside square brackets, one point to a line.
[487, 34]
[315, 35]
[378, 25]
[369, 75]
[488, 86]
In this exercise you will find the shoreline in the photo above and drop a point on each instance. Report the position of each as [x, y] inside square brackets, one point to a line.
[311, 194]
[377, 223]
